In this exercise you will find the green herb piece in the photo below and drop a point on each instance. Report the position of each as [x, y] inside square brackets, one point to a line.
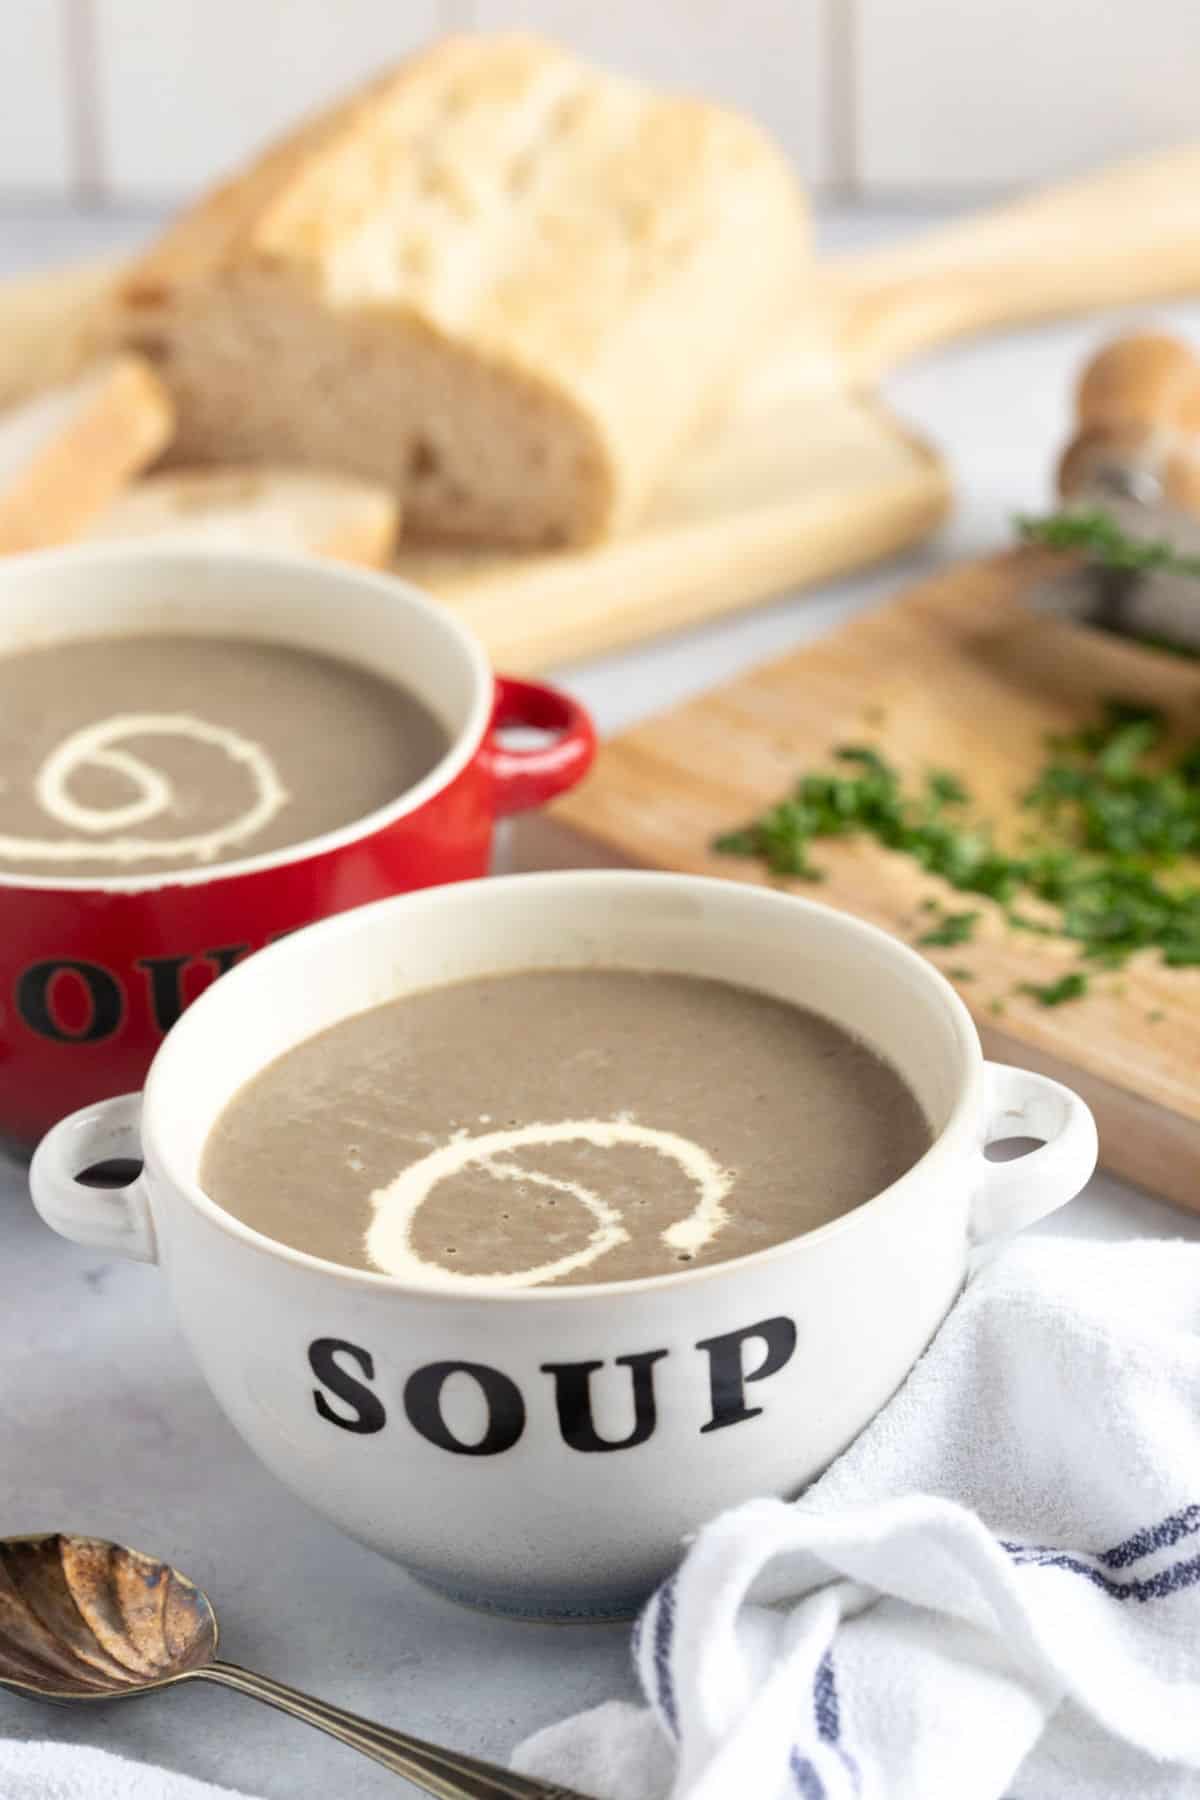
[1098, 535]
[1022, 922]
[1153, 1018]
[1056, 993]
[1172, 646]
[954, 928]
[945, 789]
[997, 1006]
[961, 974]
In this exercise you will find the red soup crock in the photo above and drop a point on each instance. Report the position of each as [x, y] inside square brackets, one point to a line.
[94, 971]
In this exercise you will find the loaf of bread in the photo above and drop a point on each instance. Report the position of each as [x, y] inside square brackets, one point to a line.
[258, 508]
[504, 285]
[65, 453]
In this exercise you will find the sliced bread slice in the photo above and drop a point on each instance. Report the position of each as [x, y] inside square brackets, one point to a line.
[65, 453]
[258, 508]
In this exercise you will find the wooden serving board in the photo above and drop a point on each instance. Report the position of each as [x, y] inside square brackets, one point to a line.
[805, 475]
[954, 675]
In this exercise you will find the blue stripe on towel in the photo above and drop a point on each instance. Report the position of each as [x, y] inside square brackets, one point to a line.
[1151, 1587]
[664, 1632]
[827, 1713]
[1152, 1538]
[808, 1783]
[829, 1716]
[1155, 1537]
[825, 1700]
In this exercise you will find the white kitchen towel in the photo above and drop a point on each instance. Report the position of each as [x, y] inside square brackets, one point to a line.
[42, 1771]
[994, 1592]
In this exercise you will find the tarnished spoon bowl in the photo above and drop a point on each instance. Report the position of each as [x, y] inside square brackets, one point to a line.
[82, 1619]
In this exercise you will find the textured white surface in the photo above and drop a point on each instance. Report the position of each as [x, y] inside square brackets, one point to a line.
[51, 1771]
[107, 1425]
[904, 1655]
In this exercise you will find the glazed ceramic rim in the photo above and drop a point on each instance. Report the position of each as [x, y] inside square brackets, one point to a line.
[957, 1136]
[463, 748]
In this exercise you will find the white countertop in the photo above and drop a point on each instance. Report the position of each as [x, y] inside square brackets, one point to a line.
[108, 1426]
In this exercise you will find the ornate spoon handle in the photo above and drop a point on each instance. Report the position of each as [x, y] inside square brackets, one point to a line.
[441, 1773]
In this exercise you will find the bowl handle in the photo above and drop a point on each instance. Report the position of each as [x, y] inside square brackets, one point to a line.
[116, 1219]
[1013, 1194]
[522, 779]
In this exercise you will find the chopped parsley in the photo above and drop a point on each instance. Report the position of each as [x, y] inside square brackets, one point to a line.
[1098, 535]
[1055, 993]
[952, 928]
[1116, 812]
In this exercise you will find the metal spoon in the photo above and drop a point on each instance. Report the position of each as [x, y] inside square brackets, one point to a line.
[81, 1619]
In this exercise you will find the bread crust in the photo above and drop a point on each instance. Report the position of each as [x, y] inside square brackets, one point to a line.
[110, 424]
[514, 248]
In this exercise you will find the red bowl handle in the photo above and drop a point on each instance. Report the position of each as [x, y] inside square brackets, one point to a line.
[526, 778]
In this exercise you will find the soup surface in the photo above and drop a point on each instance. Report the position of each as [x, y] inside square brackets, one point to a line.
[134, 755]
[562, 1126]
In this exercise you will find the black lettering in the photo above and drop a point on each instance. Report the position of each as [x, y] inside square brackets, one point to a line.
[728, 1376]
[224, 958]
[165, 975]
[506, 1409]
[35, 1001]
[368, 1414]
[573, 1397]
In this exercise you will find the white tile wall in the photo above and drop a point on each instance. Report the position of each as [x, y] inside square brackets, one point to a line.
[187, 87]
[135, 98]
[36, 139]
[767, 56]
[972, 93]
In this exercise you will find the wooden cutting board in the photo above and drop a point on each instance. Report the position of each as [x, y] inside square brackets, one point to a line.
[805, 475]
[954, 675]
